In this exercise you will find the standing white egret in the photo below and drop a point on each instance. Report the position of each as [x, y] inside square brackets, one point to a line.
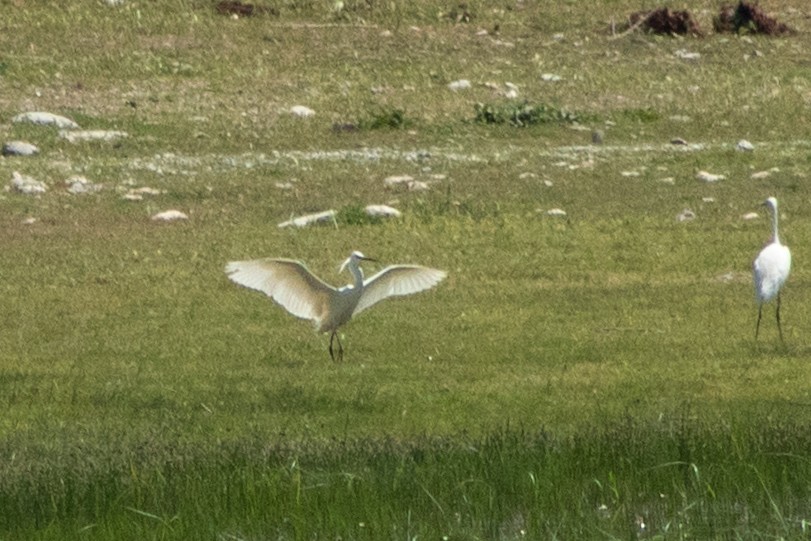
[304, 295]
[771, 269]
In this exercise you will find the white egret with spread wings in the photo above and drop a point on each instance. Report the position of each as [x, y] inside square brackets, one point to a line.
[771, 269]
[304, 295]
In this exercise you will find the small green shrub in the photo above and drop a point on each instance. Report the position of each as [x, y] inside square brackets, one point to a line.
[523, 114]
[385, 119]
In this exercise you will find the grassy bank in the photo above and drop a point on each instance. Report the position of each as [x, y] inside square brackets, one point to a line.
[575, 376]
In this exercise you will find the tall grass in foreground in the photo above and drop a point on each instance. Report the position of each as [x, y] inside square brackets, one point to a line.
[681, 479]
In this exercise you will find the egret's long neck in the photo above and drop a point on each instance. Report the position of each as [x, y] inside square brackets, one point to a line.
[775, 238]
[357, 274]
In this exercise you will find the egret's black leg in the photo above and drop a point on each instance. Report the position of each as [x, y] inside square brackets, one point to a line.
[759, 313]
[777, 314]
[340, 347]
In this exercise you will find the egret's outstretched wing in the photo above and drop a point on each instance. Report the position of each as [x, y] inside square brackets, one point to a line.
[287, 282]
[397, 280]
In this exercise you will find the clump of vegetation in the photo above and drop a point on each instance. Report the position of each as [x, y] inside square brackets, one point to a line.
[355, 214]
[523, 114]
[385, 119]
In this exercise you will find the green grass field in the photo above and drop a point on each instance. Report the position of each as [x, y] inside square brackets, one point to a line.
[588, 376]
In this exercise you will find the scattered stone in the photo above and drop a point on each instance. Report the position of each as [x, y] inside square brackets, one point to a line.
[749, 18]
[511, 92]
[27, 185]
[301, 111]
[597, 137]
[763, 174]
[551, 77]
[92, 135]
[344, 127]
[686, 215]
[630, 173]
[396, 180]
[708, 199]
[555, 212]
[405, 181]
[709, 177]
[137, 194]
[461, 84]
[664, 21]
[309, 219]
[382, 211]
[46, 119]
[77, 184]
[19, 148]
[684, 54]
[750, 216]
[30, 220]
[745, 146]
[170, 215]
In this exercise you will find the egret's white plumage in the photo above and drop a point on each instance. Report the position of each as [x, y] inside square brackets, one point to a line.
[306, 296]
[771, 269]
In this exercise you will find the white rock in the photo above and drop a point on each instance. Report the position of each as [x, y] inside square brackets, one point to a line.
[29, 221]
[301, 111]
[170, 215]
[19, 148]
[92, 135]
[461, 84]
[745, 146]
[630, 173]
[46, 119]
[709, 177]
[684, 54]
[556, 212]
[685, 216]
[309, 219]
[132, 197]
[396, 180]
[550, 77]
[27, 185]
[382, 211]
[750, 216]
[708, 199]
[146, 190]
[77, 184]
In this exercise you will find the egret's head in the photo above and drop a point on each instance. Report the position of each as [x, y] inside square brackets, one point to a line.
[771, 202]
[354, 258]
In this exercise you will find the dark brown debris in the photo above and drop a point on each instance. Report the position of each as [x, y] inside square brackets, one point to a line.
[665, 21]
[749, 18]
[235, 7]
